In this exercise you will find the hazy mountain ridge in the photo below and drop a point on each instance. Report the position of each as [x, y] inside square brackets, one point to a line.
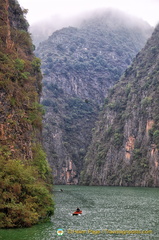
[42, 30]
[124, 148]
[79, 66]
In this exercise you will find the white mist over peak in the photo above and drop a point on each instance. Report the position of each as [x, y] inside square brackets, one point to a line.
[66, 9]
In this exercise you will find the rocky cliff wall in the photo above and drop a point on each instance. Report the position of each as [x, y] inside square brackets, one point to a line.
[24, 172]
[79, 66]
[124, 148]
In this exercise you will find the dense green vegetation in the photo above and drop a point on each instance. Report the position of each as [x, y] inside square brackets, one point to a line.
[25, 182]
[24, 198]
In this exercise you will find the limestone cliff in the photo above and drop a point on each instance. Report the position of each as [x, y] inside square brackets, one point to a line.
[79, 66]
[24, 192]
[124, 148]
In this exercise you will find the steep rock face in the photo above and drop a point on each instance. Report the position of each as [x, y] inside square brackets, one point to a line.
[24, 181]
[79, 66]
[20, 81]
[124, 148]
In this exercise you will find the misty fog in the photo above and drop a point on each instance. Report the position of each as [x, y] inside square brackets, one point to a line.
[42, 30]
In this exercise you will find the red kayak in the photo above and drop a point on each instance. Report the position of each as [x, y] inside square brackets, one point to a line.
[77, 213]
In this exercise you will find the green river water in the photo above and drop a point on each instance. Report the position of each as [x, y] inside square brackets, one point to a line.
[106, 210]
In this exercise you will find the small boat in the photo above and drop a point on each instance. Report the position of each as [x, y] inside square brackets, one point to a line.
[77, 213]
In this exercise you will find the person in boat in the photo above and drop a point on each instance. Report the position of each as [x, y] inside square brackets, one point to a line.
[78, 210]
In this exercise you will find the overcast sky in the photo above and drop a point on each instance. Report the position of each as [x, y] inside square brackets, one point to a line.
[44, 9]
